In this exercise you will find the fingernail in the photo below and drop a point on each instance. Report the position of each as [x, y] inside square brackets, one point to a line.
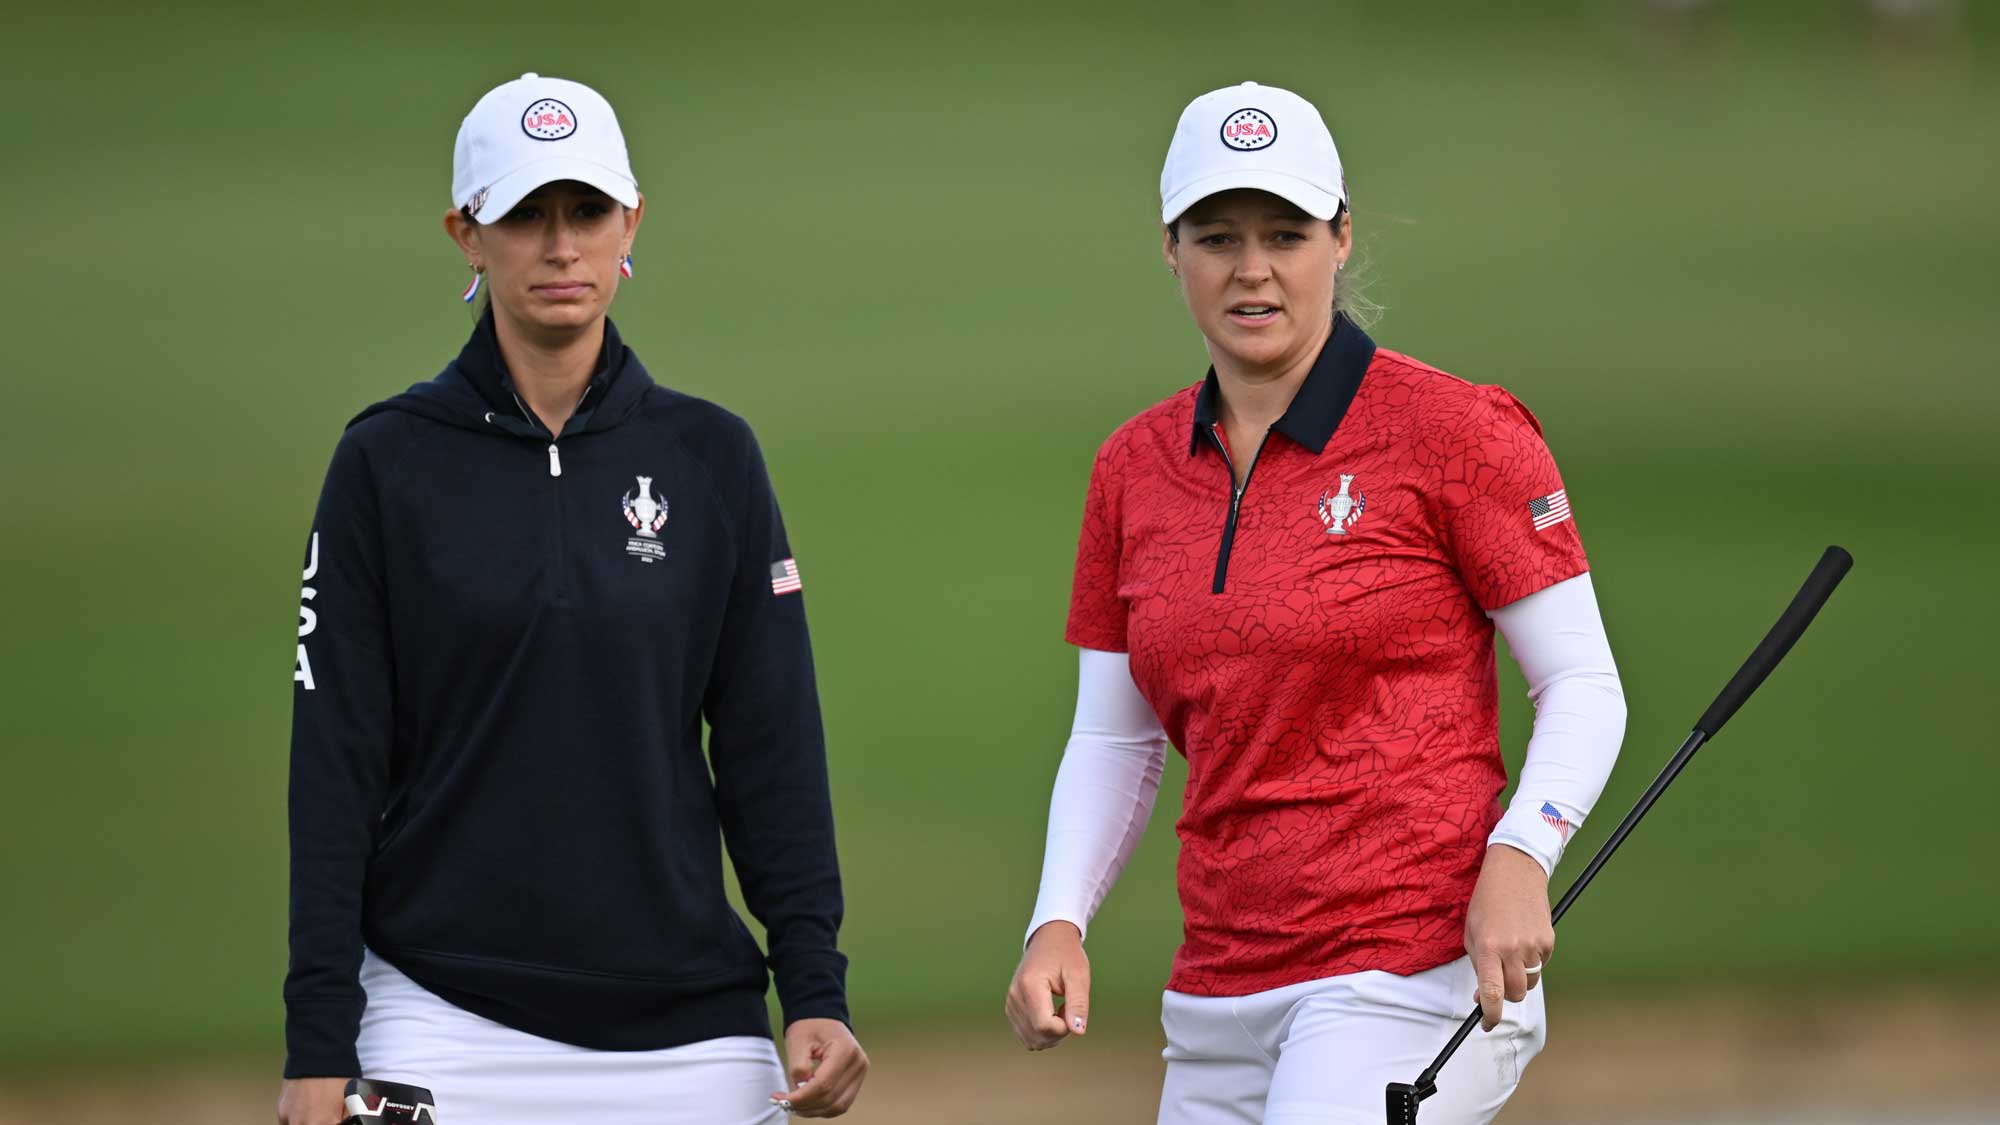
[1077, 1023]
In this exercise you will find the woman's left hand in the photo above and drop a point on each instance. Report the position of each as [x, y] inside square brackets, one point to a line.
[1507, 930]
[826, 1065]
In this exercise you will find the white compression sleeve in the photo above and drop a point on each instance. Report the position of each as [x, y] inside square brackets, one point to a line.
[1104, 791]
[1557, 637]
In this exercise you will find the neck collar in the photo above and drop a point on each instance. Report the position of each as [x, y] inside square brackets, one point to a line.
[1321, 401]
[486, 369]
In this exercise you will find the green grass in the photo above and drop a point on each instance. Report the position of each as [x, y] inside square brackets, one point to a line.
[1741, 281]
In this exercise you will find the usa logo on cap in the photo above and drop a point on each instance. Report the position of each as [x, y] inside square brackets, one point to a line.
[548, 120]
[1248, 130]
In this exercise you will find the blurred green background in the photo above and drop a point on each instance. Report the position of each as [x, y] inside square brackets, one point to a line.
[1737, 260]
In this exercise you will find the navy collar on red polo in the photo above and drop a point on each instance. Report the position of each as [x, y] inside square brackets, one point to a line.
[1322, 400]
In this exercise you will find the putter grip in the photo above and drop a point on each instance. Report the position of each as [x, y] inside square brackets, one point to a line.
[1833, 566]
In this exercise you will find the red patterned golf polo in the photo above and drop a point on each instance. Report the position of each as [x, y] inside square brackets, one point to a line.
[1319, 651]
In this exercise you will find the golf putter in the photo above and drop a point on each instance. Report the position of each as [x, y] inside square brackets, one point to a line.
[371, 1101]
[1404, 1097]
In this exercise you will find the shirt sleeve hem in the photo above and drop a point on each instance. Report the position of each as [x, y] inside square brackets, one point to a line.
[813, 986]
[1073, 917]
[1533, 584]
[825, 1011]
[323, 1065]
[1103, 640]
[1524, 827]
[319, 1038]
[1515, 841]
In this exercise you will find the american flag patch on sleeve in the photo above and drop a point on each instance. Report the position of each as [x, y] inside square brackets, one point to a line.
[785, 577]
[1548, 511]
[1557, 821]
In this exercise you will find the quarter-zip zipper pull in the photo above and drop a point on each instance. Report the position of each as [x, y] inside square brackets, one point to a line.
[555, 461]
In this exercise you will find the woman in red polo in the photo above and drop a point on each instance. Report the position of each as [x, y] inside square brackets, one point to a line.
[1293, 571]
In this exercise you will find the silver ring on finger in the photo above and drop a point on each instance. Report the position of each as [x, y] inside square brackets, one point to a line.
[1531, 970]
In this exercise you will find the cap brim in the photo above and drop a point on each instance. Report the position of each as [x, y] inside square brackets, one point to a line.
[515, 186]
[1312, 200]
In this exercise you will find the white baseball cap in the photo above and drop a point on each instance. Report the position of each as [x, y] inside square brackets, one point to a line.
[1252, 136]
[533, 131]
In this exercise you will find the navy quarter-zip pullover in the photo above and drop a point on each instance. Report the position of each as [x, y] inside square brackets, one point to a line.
[509, 643]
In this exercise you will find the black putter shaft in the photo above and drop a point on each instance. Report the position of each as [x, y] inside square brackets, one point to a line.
[1833, 566]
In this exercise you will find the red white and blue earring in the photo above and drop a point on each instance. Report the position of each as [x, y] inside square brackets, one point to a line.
[625, 267]
[472, 290]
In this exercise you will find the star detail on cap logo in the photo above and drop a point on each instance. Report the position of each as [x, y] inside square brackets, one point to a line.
[1248, 130]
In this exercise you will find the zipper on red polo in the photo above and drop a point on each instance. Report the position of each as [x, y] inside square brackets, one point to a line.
[1236, 492]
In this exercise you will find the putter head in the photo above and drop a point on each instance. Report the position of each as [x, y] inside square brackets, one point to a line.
[1403, 1098]
[371, 1101]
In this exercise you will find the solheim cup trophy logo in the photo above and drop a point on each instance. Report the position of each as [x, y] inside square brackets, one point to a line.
[646, 512]
[1338, 511]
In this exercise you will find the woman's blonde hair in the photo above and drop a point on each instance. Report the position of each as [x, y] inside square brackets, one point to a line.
[1350, 288]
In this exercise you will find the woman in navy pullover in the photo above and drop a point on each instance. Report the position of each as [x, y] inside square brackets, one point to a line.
[530, 582]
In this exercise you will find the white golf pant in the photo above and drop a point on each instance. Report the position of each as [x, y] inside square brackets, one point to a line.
[484, 1073]
[1323, 1051]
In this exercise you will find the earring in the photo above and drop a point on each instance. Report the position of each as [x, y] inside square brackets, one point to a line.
[472, 290]
[625, 267]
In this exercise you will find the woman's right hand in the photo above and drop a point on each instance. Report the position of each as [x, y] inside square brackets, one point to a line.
[312, 1101]
[1050, 997]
